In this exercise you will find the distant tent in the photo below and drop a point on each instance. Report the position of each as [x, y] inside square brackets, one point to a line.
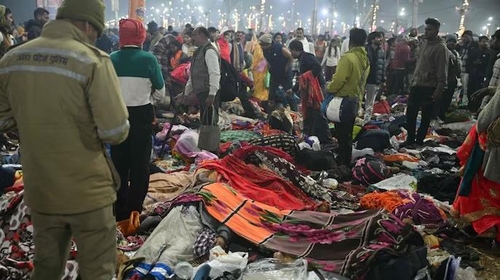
[421, 29]
[381, 29]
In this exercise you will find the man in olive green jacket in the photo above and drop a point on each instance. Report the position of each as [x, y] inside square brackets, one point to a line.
[63, 96]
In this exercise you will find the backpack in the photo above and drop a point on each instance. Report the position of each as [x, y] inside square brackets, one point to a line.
[229, 80]
[370, 170]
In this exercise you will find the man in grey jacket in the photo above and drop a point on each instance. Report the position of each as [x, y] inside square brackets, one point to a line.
[429, 82]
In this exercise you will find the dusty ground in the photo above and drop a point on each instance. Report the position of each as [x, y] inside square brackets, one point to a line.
[490, 263]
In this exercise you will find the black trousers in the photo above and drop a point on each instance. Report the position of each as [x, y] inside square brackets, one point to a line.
[131, 159]
[420, 99]
[398, 82]
[243, 95]
[475, 84]
[446, 99]
[315, 124]
[343, 131]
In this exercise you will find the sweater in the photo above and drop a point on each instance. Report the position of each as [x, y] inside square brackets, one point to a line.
[432, 65]
[140, 76]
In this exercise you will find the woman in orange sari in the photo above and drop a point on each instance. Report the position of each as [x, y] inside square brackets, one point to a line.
[478, 197]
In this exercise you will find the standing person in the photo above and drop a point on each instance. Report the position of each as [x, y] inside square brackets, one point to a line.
[70, 185]
[478, 68]
[204, 81]
[139, 74]
[454, 72]
[6, 21]
[299, 36]
[376, 56]
[278, 38]
[259, 69]
[310, 91]
[429, 82]
[345, 46]
[320, 48]
[237, 53]
[104, 43]
[402, 56]
[494, 52]
[34, 26]
[156, 37]
[224, 47]
[331, 59]
[468, 54]
[349, 82]
[279, 60]
[162, 52]
[413, 34]
[188, 47]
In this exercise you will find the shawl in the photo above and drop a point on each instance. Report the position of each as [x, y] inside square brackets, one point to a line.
[262, 185]
[487, 122]
[346, 244]
[176, 59]
[310, 92]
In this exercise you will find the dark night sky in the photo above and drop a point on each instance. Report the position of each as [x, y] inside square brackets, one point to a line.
[444, 10]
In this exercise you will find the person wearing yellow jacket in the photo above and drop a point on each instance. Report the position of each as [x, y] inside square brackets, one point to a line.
[63, 95]
[350, 81]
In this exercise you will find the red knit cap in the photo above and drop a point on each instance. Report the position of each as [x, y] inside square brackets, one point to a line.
[132, 32]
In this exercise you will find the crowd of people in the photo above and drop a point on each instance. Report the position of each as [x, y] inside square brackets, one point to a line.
[71, 182]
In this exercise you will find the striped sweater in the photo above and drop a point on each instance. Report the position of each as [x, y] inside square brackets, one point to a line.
[140, 76]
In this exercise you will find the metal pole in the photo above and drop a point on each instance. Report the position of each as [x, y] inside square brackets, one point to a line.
[356, 8]
[314, 18]
[396, 26]
[414, 14]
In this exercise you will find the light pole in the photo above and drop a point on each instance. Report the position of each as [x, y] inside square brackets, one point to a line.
[396, 28]
[415, 13]
[314, 18]
[462, 10]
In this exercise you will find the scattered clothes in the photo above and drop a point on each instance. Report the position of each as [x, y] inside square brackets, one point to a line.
[378, 140]
[370, 170]
[442, 187]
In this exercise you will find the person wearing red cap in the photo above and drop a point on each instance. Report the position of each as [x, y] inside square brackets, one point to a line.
[142, 84]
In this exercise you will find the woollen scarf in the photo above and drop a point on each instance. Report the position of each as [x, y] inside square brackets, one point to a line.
[310, 92]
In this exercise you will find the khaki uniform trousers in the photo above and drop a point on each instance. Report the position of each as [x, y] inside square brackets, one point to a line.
[94, 234]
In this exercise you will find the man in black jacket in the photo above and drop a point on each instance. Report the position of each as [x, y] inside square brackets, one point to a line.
[35, 25]
[315, 124]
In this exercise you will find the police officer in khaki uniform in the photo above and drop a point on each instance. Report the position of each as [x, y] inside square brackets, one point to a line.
[63, 95]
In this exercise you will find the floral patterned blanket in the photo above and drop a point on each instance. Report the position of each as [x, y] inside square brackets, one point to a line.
[16, 235]
[342, 243]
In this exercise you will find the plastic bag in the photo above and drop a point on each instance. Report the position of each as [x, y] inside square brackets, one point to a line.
[326, 275]
[398, 182]
[466, 274]
[220, 261]
[273, 269]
